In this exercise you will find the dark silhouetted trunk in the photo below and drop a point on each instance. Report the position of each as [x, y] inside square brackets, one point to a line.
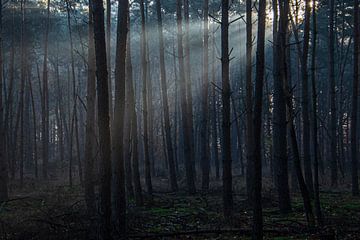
[3, 164]
[280, 157]
[103, 120]
[186, 127]
[315, 122]
[257, 121]
[134, 128]
[204, 148]
[118, 126]
[305, 100]
[45, 101]
[90, 135]
[226, 123]
[354, 109]
[169, 145]
[144, 65]
[249, 139]
[333, 137]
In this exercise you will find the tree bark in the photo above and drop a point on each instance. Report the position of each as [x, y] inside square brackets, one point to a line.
[226, 123]
[257, 121]
[279, 112]
[118, 126]
[249, 104]
[45, 101]
[3, 164]
[134, 128]
[90, 135]
[305, 100]
[354, 109]
[204, 149]
[144, 66]
[186, 127]
[103, 119]
[315, 122]
[333, 138]
[169, 145]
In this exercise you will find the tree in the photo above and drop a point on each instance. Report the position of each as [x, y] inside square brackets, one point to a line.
[144, 65]
[333, 138]
[118, 126]
[169, 146]
[90, 138]
[279, 112]
[204, 149]
[186, 127]
[305, 100]
[103, 119]
[3, 163]
[354, 109]
[315, 122]
[188, 80]
[249, 103]
[226, 93]
[45, 100]
[257, 121]
[134, 127]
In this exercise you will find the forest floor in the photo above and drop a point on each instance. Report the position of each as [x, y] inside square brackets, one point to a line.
[58, 212]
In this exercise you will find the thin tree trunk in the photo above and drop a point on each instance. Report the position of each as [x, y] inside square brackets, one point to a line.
[145, 99]
[186, 127]
[118, 126]
[134, 128]
[169, 145]
[90, 135]
[35, 128]
[226, 93]
[214, 124]
[22, 89]
[305, 101]
[333, 144]
[257, 121]
[103, 119]
[315, 123]
[187, 68]
[204, 148]
[3, 164]
[45, 101]
[279, 112]
[354, 109]
[249, 104]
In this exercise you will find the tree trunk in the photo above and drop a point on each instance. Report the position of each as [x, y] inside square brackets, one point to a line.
[279, 112]
[354, 109]
[315, 123]
[333, 142]
[45, 101]
[186, 127]
[169, 145]
[118, 126]
[90, 135]
[189, 98]
[103, 120]
[144, 66]
[134, 128]
[226, 123]
[305, 101]
[249, 104]
[108, 54]
[214, 124]
[257, 121]
[204, 149]
[3, 164]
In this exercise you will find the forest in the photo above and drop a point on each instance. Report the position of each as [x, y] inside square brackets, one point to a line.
[179, 119]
